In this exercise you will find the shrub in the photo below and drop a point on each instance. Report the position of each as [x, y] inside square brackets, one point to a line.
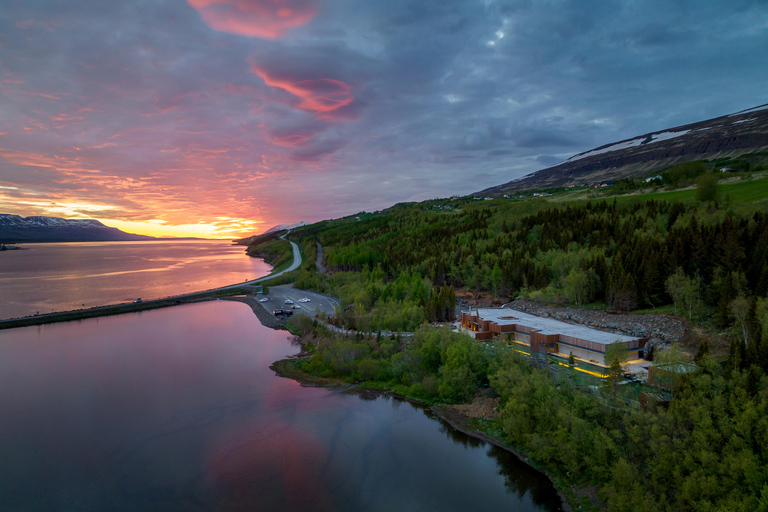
[706, 187]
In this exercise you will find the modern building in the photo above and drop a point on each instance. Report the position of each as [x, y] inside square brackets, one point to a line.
[549, 336]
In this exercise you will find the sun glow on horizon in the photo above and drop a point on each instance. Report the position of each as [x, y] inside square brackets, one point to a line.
[212, 227]
[223, 229]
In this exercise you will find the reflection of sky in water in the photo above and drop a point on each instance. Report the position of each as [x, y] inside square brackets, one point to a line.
[176, 409]
[60, 277]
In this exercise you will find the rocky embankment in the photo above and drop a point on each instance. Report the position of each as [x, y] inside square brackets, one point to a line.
[660, 329]
[264, 316]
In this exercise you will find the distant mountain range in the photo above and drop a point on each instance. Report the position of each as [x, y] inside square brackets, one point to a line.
[16, 229]
[726, 136]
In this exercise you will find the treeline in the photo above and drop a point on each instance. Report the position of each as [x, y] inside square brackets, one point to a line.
[674, 177]
[620, 255]
[370, 301]
[630, 254]
[436, 364]
[689, 172]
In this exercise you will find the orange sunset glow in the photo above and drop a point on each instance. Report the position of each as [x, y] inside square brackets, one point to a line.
[223, 118]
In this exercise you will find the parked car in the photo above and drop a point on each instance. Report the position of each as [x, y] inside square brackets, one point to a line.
[295, 306]
[304, 300]
[263, 300]
[288, 301]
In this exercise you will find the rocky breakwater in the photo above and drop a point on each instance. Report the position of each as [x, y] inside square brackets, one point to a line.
[264, 316]
[661, 330]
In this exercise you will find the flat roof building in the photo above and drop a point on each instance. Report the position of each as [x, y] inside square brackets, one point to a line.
[549, 336]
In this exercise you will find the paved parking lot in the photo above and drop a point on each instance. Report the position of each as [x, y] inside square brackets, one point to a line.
[318, 303]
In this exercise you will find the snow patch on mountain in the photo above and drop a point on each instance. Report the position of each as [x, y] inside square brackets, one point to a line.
[639, 141]
[612, 147]
[667, 135]
[753, 109]
[48, 222]
[14, 228]
[282, 227]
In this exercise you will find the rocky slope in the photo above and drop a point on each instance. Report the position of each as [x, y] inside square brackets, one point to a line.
[732, 135]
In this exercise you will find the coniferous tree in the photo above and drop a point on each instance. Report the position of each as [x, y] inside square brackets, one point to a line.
[727, 294]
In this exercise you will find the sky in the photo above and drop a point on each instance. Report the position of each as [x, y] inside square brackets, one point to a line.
[222, 118]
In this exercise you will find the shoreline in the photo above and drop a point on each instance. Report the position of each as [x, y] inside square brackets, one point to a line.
[284, 368]
[456, 423]
[266, 319]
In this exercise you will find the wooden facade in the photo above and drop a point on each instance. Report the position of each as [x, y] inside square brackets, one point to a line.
[485, 330]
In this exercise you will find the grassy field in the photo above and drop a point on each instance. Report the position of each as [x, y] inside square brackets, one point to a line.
[753, 189]
[732, 190]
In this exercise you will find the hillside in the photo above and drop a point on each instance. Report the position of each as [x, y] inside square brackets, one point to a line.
[726, 136]
[665, 264]
[15, 229]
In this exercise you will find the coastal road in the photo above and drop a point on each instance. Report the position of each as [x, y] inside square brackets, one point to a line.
[296, 264]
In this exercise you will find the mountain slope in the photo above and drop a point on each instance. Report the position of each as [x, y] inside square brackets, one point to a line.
[14, 228]
[732, 135]
[283, 227]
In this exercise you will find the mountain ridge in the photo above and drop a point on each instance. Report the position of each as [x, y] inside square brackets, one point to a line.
[730, 135]
[36, 228]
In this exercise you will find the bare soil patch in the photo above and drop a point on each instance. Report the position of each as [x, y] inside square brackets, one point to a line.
[481, 407]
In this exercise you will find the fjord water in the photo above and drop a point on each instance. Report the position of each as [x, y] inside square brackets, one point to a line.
[176, 409]
[64, 276]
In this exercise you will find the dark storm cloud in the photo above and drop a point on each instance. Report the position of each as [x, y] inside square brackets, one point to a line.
[174, 104]
[318, 150]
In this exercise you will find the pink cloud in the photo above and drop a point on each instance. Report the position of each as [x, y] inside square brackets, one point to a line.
[292, 139]
[31, 93]
[268, 19]
[325, 97]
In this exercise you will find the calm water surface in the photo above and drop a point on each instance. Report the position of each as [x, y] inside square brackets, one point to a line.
[61, 277]
[177, 410]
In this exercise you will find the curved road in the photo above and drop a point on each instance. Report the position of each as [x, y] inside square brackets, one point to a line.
[296, 264]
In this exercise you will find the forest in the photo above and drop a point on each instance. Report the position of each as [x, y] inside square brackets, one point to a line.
[701, 258]
[705, 450]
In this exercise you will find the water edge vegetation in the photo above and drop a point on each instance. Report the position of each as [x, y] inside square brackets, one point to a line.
[698, 256]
